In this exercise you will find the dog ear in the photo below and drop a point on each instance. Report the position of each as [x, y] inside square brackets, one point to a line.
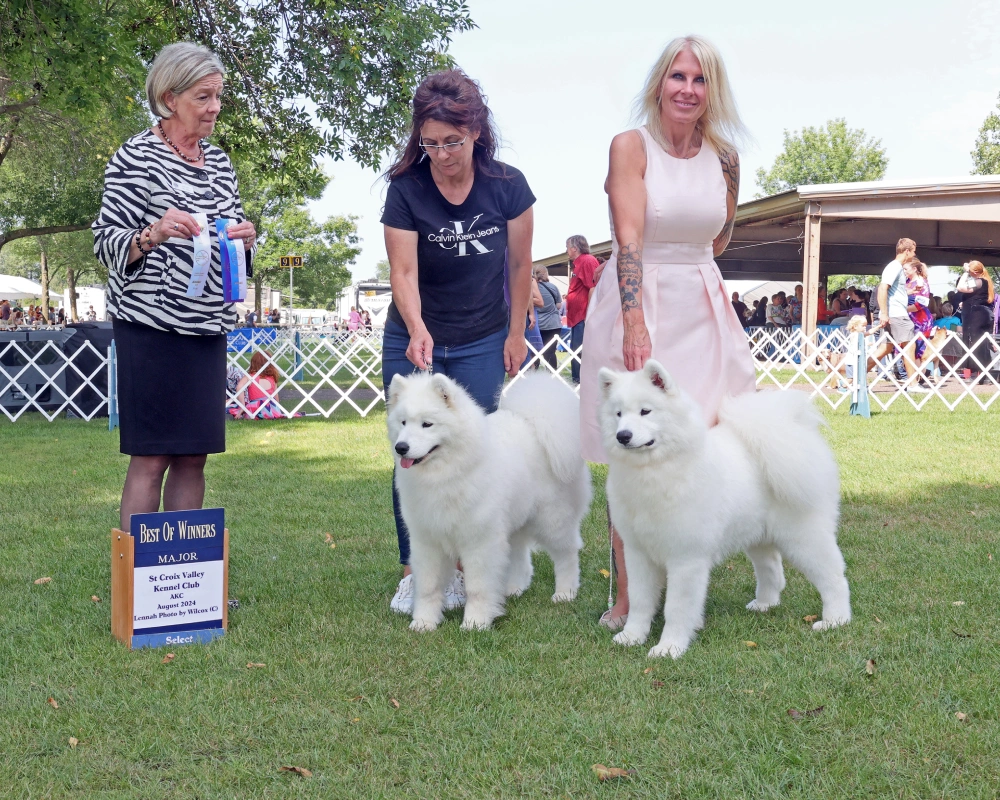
[445, 387]
[606, 379]
[659, 377]
[395, 389]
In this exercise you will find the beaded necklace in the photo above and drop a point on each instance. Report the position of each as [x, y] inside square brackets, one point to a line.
[195, 160]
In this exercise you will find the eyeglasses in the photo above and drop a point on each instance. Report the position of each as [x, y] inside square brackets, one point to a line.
[450, 147]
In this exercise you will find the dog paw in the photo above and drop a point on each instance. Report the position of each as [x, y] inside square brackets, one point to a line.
[663, 649]
[760, 605]
[476, 624]
[564, 597]
[627, 639]
[827, 624]
[422, 625]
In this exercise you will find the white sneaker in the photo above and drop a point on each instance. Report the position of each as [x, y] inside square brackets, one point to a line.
[402, 601]
[454, 594]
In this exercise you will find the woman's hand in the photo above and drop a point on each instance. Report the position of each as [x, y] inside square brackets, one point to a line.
[175, 224]
[636, 346]
[245, 231]
[515, 350]
[420, 351]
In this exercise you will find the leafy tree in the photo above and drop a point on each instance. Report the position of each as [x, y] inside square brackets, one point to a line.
[53, 181]
[327, 250]
[382, 270]
[306, 78]
[834, 154]
[62, 261]
[986, 155]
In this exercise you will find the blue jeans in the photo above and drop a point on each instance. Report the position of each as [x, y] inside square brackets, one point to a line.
[477, 367]
[575, 342]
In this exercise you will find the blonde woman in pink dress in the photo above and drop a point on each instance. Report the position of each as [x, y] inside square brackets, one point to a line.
[672, 187]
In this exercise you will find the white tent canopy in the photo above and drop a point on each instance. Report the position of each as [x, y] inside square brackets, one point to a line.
[14, 287]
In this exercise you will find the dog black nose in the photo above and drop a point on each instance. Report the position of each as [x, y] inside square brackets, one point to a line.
[402, 448]
[624, 436]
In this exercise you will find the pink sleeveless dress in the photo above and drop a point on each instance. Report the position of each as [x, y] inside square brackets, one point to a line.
[693, 327]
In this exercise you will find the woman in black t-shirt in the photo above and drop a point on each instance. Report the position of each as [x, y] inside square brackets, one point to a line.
[454, 218]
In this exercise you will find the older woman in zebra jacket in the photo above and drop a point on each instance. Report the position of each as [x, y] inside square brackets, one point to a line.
[170, 333]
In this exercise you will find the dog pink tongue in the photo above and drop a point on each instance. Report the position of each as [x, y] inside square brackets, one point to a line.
[406, 463]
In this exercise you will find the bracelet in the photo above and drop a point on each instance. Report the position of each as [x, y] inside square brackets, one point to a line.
[145, 234]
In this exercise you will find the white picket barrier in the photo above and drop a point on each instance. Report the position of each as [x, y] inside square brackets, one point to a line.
[323, 371]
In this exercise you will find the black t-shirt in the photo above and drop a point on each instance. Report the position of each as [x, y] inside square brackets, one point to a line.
[461, 250]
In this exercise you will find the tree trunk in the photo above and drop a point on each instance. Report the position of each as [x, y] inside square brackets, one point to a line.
[71, 284]
[44, 263]
[258, 286]
[8, 140]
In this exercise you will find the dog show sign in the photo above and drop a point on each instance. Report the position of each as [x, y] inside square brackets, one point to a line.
[170, 578]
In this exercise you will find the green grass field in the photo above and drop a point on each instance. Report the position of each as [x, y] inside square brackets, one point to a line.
[524, 710]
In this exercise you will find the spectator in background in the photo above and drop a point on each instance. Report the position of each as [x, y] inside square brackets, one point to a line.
[275, 316]
[549, 322]
[948, 321]
[367, 321]
[759, 317]
[353, 320]
[261, 387]
[61, 317]
[775, 314]
[741, 309]
[582, 282]
[91, 314]
[251, 319]
[793, 307]
[532, 333]
[4, 310]
[976, 286]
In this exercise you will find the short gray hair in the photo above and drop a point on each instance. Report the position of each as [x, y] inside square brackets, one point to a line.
[176, 68]
[540, 273]
[579, 242]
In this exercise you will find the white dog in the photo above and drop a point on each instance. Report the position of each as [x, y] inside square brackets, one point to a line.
[684, 497]
[486, 489]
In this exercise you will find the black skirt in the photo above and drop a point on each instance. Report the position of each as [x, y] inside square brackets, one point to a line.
[171, 391]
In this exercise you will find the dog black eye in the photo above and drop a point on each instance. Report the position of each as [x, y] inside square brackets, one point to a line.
[403, 423]
[618, 414]
[426, 424]
[644, 412]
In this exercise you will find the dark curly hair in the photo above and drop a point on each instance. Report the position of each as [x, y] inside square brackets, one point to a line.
[454, 98]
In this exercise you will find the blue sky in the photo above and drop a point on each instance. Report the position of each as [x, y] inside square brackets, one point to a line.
[561, 77]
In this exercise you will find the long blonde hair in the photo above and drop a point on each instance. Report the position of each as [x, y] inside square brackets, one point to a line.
[720, 125]
[977, 270]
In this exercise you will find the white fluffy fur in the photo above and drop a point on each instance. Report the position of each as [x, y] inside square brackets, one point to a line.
[487, 489]
[684, 497]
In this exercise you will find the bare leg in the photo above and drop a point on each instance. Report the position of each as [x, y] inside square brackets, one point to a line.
[143, 483]
[620, 608]
[185, 486]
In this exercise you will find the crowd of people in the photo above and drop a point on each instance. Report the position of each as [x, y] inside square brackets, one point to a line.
[14, 316]
[904, 305]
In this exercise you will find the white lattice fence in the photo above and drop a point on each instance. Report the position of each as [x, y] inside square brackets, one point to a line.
[323, 371]
[823, 365]
[42, 376]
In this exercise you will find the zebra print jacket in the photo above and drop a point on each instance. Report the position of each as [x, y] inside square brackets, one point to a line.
[142, 180]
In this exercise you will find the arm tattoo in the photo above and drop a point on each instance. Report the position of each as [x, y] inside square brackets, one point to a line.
[731, 173]
[630, 276]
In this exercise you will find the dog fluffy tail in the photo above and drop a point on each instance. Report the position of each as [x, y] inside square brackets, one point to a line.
[781, 431]
[553, 410]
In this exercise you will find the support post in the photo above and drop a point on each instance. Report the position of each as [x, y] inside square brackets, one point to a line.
[810, 269]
